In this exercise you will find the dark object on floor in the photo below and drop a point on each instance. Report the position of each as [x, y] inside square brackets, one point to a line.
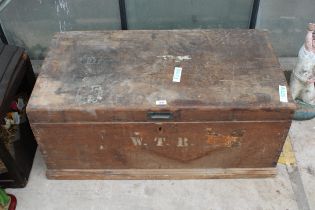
[16, 75]
[13, 202]
[178, 104]
[7, 201]
[304, 111]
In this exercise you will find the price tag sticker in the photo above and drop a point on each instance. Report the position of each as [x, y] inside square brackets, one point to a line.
[161, 102]
[283, 93]
[177, 74]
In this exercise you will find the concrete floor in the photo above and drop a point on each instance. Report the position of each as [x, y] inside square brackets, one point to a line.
[293, 187]
[288, 190]
[303, 139]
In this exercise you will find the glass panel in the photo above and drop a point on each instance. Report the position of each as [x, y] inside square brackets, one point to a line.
[287, 22]
[181, 14]
[32, 23]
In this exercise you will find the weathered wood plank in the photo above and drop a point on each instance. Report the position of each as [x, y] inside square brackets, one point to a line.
[213, 173]
[161, 145]
[94, 110]
[129, 71]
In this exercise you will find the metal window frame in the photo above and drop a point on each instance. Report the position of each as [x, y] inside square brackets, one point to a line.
[123, 15]
[253, 17]
[2, 36]
[124, 21]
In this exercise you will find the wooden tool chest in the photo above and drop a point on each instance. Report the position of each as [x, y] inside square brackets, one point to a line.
[160, 105]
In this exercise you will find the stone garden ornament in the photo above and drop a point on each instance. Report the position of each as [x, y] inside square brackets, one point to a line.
[303, 77]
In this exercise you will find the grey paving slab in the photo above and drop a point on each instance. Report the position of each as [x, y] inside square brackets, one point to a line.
[288, 63]
[303, 139]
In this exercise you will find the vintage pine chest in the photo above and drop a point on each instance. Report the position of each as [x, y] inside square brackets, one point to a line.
[107, 105]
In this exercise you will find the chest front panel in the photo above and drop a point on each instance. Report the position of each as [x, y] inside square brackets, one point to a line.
[161, 145]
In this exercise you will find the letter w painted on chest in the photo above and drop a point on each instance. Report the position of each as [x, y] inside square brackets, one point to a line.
[136, 140]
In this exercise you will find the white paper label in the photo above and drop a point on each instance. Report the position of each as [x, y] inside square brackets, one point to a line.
[160, 102]
[177, 74]
[283, 93]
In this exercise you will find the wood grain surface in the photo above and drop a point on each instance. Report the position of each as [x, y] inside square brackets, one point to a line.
[94, 113]
[213, 173]
[161, 145]
[119, 76]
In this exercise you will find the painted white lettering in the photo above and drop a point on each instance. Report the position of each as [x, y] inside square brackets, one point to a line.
[160, 141]
[136, 140]
[182, 142]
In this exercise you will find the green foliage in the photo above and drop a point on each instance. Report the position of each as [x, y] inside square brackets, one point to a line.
[4, 198]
